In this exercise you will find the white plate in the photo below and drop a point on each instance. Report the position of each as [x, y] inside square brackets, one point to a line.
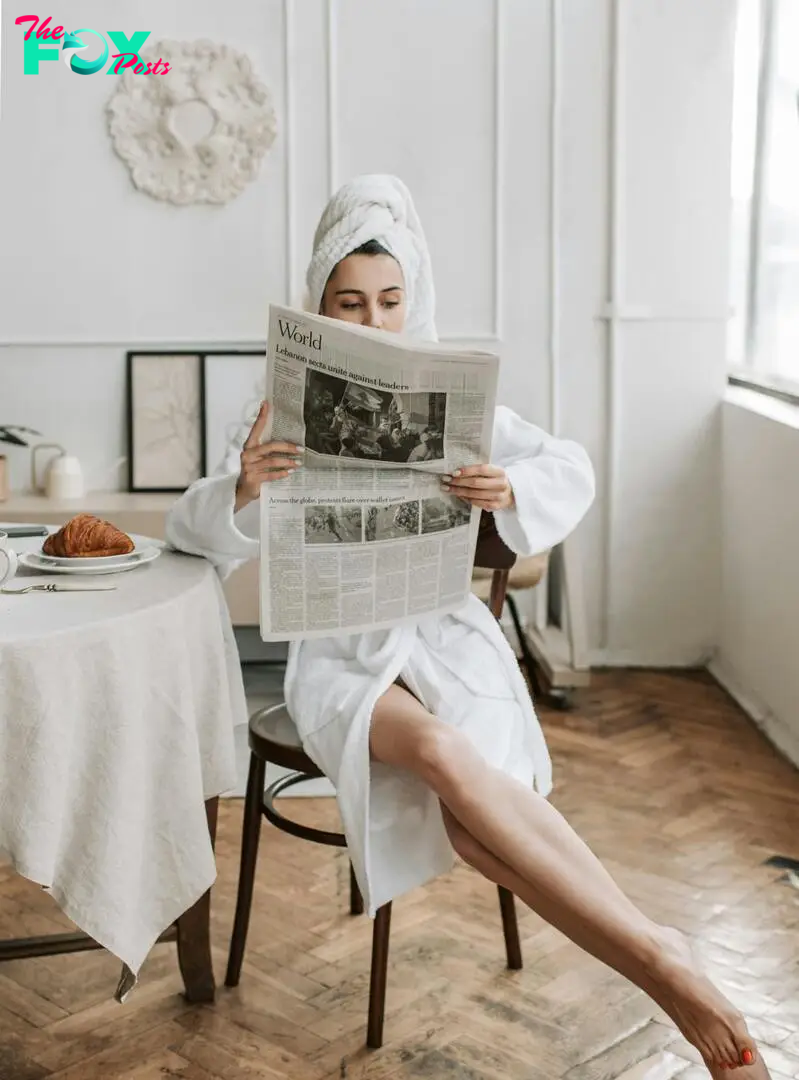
[32, 560]
[102, 560]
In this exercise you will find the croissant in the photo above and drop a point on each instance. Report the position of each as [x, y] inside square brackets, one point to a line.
[86, 536]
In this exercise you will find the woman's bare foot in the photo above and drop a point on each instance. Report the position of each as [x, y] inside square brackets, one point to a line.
[758, 1071]
[705, 1017]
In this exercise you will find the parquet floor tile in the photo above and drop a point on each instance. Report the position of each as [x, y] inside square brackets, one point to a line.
[661, 774]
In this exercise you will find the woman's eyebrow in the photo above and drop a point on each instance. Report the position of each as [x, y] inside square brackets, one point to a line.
[360, 292]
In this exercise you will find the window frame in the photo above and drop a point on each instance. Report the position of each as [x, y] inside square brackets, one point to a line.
[748, 374]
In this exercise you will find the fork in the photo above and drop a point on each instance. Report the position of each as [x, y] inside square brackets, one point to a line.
[57, 588]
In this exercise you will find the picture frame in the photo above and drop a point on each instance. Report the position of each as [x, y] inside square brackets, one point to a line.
[166, 419]
[234, 382]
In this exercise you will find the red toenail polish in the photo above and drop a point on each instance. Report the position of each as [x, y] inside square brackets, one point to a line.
[747, 1057]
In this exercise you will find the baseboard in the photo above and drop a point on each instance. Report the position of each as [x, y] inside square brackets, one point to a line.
[625, 658]
[650, 658]
[776, 730]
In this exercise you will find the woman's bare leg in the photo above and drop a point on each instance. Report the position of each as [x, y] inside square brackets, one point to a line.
[557, 874]
[473, 853]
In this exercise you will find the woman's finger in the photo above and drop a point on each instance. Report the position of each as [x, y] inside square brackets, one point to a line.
[257, 474]
[480, 470]
[279, 447]
[275, 461]
[258, 428]
[476, 483]
[486, 504]
[257, 453]
[487, 500]
[252, 481]
[268, 477]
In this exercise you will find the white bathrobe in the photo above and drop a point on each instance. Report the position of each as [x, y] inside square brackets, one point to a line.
[459, 666]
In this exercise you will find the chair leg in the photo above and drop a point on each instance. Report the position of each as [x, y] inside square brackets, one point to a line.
[356, 900]
[510, 928]
[251, 831]
[377, 984]
[527, 657]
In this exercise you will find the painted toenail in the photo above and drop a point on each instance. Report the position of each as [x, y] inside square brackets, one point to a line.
[747, 1057]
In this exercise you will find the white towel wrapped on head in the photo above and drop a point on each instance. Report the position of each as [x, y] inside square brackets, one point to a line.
[376, 207]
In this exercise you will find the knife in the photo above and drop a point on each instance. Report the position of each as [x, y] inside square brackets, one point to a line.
[58, 588]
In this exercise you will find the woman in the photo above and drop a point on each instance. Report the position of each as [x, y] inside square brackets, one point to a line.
[427, 730]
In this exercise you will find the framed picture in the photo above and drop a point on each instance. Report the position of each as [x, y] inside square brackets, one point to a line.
[235, 383]
[166, 422]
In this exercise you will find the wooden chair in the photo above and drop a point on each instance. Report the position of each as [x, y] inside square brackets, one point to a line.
[526, 573]
[273, 738]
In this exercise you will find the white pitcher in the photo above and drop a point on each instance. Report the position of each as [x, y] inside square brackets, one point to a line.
[8, 560]
[63, 476]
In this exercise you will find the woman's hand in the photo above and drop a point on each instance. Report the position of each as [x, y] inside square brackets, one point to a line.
[484, 486]
[263, 463]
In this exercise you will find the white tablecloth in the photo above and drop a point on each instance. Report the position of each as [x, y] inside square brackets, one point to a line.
[117, 712]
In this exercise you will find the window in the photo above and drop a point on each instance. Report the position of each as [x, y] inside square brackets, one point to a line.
[764, 331]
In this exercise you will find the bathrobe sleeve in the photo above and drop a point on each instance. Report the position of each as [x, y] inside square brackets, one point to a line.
[552, 480]
[203, 522]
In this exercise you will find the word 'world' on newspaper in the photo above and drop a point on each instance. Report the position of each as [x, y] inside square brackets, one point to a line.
[362, 537]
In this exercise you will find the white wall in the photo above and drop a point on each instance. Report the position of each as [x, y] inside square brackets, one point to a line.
[758, 657]
[502, 116]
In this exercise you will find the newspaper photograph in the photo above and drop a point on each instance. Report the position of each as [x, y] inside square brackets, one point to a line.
[362, 537]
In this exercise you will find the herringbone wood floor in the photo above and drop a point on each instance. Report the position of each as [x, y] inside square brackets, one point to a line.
[660, 773]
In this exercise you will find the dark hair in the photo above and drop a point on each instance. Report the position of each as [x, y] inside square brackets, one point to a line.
[371, 247]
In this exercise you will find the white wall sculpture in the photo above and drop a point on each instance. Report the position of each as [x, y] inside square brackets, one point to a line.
[198, 133]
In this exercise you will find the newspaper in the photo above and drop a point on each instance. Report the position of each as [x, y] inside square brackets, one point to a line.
[362, 537]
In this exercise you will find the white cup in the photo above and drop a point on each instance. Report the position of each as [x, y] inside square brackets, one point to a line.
[8, 560]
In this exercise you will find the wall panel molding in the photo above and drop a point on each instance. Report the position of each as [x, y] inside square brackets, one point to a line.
[288, 145]
[499, 164]
[617, 277]
[555, 124]
[332, 97]
[495, 333]
[197, 343]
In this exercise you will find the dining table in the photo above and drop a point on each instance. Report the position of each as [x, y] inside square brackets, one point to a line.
[117, 713]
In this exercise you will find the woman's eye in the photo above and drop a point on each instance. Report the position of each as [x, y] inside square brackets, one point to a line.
[391, 303]
[350, 306]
